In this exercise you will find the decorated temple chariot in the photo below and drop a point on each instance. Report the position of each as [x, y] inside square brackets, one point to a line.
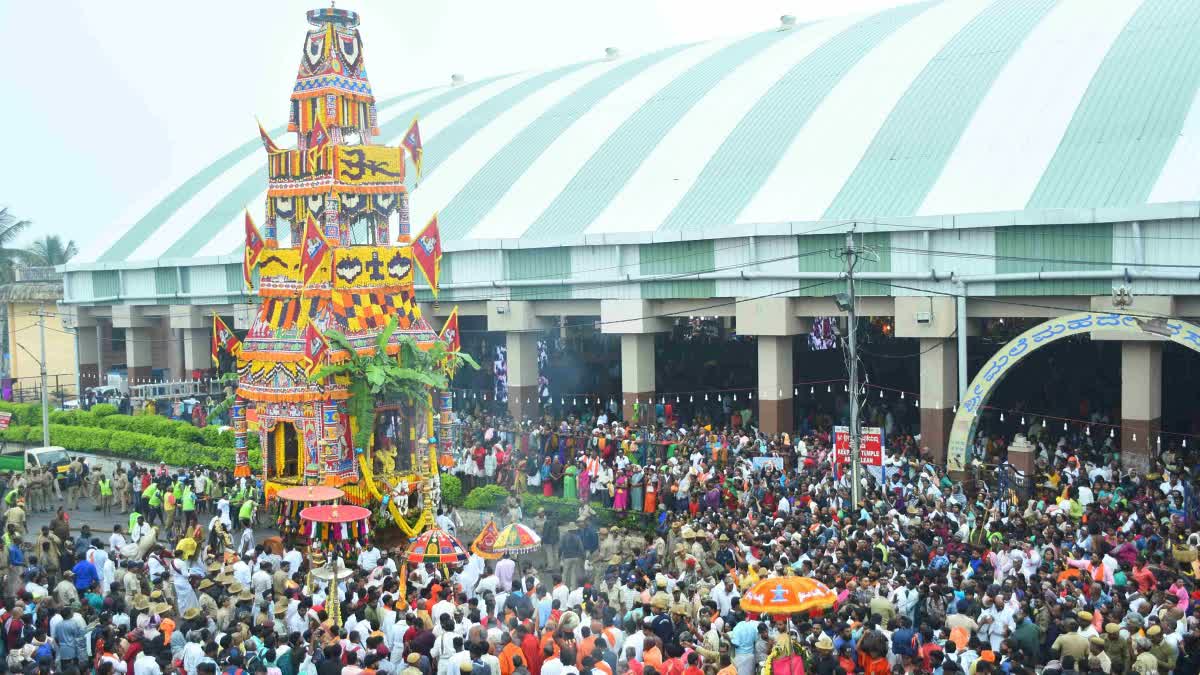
[333, 268]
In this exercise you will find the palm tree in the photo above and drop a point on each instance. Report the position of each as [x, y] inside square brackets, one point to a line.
[408, 376]
[50, 251]
[10, 229]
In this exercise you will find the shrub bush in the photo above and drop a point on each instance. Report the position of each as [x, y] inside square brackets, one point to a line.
[567, 510]
[486, 498]
[557, 508]
[104, 409]
[215, 438]
[23, 413]
[451, 490]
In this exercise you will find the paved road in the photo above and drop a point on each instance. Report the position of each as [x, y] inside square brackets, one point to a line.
[102, 525]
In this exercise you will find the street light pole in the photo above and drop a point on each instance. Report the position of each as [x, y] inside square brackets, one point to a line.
[41, 315]
[852, 319]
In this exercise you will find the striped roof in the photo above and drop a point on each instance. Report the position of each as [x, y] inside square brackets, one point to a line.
[934, 108]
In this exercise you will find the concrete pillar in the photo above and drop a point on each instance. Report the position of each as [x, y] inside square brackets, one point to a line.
[197, 350]
[775, 411]
[89, 356]
[139, 357]
[939, 393]
[175, 370]
[774, 322]
[637, 371]
[521, 325]
[140, 334]
[1141, 402]
[523, 401]
[193, 326]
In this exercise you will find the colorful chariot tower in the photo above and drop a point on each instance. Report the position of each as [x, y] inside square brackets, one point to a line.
[334, 254]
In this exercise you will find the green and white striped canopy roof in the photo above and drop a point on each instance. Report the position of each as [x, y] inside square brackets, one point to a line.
[934, 108]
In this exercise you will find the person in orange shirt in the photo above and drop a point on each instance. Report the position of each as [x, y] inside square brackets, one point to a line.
[548, 638]
[587, 644]
[652, 655]
[507, 652]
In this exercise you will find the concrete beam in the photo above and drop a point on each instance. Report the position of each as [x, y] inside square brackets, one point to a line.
[130, 316]
[1021, 307]
[925, 317]
[630, 317]
[243, 316]
[188, 316]
[515, 315]
[827, 306]
[1149, 306]
[74, 316]
[471, 308]
[774, 317]
[673, 309]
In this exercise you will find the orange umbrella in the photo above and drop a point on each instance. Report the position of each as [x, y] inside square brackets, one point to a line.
[787, 595]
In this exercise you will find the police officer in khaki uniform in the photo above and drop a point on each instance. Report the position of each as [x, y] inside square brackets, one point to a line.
[1160, 650]
[609, 547]
[120, 486]
[1120, 655]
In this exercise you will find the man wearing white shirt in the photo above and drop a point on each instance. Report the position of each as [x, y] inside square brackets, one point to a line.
[442, 607]
[241, 571]
[553, 665]
[193, 651]
[723, 595]
[368, 558]
[560, 592]
[260, 581]
[145, 664]
[116, 541]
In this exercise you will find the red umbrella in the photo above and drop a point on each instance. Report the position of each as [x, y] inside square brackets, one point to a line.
[436, 546]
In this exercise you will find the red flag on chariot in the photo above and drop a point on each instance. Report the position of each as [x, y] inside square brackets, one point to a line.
[315, 248]
[427, 253]
[254, 247]
[449, 334]
[315, 347]
[223, 338]
[266, 139]
[412, 141]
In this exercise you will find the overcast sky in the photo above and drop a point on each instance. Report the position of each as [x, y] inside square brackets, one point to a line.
[108, 105]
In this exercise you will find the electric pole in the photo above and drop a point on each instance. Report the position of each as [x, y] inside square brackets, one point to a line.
[852, 321]
[41, 315]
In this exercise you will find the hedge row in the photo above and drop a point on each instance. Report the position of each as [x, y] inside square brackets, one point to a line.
[130, 445]
[493, 497]
[104, 416]
[566, 510]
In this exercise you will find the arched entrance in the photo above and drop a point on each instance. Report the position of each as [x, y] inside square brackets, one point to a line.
[1069, 325]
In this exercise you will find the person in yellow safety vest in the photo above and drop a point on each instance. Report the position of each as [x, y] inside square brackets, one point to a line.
[106, 494]
[188, 503]
[169, 504]
[153, 499]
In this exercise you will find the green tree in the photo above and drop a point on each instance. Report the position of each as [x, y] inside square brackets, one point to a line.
[377, 376]
[10, 229]
[50, 251]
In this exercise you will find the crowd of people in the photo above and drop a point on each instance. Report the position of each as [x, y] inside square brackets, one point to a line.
[1090, 568]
